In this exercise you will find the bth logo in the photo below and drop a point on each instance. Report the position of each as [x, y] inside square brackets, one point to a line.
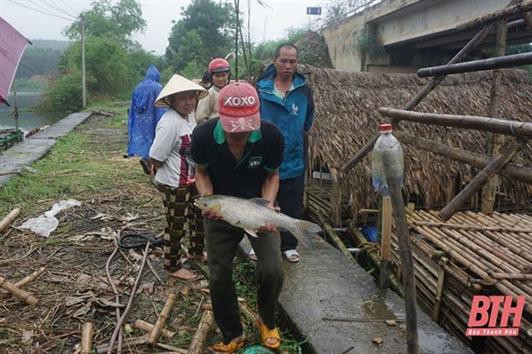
[484, 316]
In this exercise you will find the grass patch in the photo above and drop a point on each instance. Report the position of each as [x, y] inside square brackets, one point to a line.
[77, 164]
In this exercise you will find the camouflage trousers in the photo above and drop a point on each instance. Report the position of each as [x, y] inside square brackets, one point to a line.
[183, 219]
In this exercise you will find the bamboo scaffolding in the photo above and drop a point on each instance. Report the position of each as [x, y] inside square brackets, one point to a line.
[520, 173]
[448, 299]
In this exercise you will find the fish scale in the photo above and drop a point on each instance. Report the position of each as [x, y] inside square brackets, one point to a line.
[252, 214]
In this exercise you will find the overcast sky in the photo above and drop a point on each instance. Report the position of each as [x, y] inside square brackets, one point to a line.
[266, 23]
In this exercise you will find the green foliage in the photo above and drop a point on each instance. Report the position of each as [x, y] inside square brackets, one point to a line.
[368, 43]
[139, 60]
[39, 61]
[204, 32]
[118, 21]
[49, 44]
[63, 94]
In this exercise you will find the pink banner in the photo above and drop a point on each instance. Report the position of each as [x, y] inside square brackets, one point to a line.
[12, 45]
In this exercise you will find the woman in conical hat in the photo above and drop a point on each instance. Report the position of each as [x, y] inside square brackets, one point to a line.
[174, 171]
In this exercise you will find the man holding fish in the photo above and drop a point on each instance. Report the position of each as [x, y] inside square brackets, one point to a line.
[237, 159]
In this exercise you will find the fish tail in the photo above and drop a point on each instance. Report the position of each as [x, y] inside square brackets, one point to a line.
[304, 231]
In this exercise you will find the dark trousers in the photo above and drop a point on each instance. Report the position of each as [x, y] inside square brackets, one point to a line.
[222, 241]
[182, 219]
[290, 200]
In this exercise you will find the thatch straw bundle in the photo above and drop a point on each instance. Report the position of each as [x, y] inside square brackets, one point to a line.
[347, 118]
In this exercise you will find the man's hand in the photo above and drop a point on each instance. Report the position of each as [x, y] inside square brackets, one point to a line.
[268, 228]
[211, 214]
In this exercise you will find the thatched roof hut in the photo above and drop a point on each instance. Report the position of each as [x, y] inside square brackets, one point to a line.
[347, 117]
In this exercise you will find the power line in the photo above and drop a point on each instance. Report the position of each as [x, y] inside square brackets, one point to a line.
[57, 7]
[66, 5]
[51, 10]
[41, 11]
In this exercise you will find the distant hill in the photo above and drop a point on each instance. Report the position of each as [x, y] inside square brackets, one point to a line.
[49, 44]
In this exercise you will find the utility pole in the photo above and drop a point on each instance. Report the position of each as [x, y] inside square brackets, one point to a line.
[83, 87]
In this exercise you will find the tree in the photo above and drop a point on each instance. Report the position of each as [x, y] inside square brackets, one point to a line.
[205, 31]
[104, 19]
[107, 65]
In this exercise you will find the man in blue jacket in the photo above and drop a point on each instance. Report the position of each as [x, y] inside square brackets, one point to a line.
[286, 100]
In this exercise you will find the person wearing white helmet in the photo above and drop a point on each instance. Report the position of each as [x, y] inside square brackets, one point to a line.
[220, 72]
[174, 171]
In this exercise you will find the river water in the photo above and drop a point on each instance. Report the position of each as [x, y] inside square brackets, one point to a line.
[28, 120]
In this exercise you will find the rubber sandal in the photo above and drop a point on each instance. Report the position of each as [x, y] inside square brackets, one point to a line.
[268, 334]
[230, 347]
[291, 256]
[252, 255]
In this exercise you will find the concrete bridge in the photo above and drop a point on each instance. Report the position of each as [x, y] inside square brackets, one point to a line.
[403, 35]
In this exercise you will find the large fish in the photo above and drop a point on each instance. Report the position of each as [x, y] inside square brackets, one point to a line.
[252, 214]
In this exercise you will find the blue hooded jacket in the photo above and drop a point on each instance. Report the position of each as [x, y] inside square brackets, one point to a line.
[293, 115]
[143, 115]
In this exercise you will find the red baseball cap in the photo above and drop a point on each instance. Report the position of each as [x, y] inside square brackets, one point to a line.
[238, 108]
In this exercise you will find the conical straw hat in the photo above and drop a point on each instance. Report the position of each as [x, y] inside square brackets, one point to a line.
[178, 84]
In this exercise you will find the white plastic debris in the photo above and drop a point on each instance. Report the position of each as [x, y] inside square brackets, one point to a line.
[46, 223]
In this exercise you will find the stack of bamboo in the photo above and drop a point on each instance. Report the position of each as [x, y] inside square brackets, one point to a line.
[472, 254]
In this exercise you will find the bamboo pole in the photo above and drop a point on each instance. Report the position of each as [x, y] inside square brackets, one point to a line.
[495, 16]
[500, 126]
[86, 338]
[18, 293]
[478, 65]
[517, 276]
[30, 278]
[200, 337]
[469, 227]
[478, 181]
[527, 16]
[104, 348]
[405, 252]
[514, 171]
[148, 328]
[248, 313]
[495, 142]
[6, 221]
[157, 328]
[386, 236]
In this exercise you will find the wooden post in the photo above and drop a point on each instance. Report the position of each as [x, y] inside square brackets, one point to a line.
[9, 218]
[478, 182]
[18, 293]
[156, 331]
[407, 264]
[198, 341]
[86, 338]
[494, 142]
[514, 171]
[439, 293]
[336, 198]
[386, 240]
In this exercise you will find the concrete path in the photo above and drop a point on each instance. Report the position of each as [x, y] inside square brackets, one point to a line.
[13, 160]
[336, 306]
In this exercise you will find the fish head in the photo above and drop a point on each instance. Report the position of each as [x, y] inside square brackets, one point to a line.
[209, 203]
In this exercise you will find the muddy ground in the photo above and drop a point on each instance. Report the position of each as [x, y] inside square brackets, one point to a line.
[116, 198]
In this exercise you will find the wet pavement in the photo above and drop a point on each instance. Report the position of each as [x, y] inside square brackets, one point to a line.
[336, 306]
[15, 159]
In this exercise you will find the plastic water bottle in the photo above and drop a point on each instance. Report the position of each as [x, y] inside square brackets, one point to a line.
[388, 153]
